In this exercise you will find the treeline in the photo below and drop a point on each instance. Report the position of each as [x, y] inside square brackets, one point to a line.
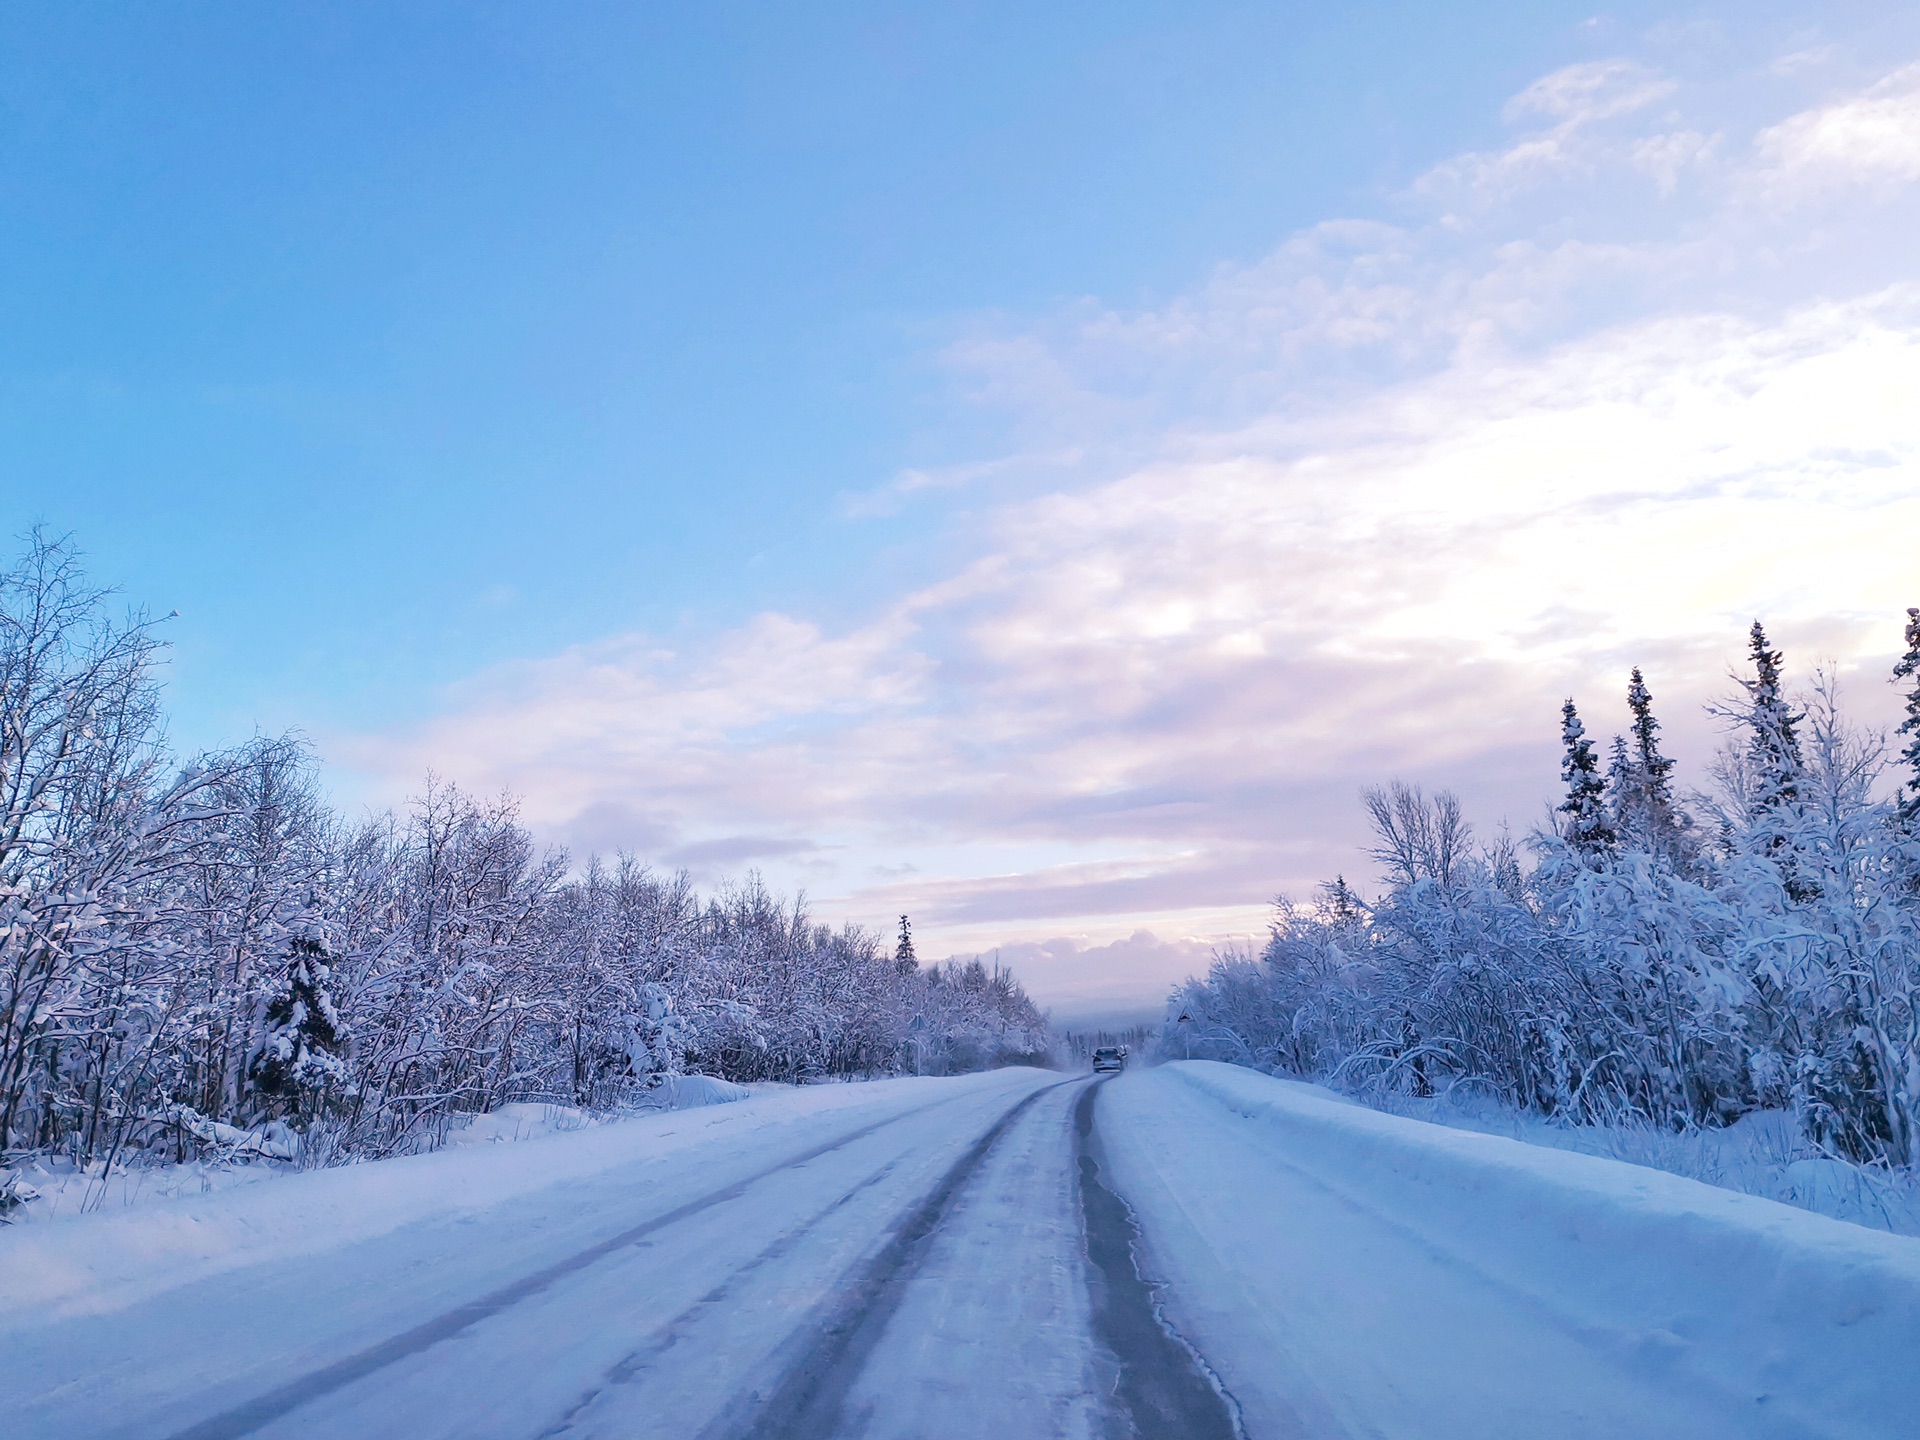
[1680, 957]
[208, 955]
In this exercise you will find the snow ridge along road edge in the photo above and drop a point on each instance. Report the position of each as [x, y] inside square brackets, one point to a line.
[1809, 1321]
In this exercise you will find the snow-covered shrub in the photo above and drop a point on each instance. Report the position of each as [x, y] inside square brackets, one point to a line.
[204, 961]
[1657, 961]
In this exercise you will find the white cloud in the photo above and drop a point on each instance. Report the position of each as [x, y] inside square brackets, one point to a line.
[1370, 506]
[1124, 980]
[1871, 139]
[1592, 90]
[1578, 100]
[1798, 62]
[1667, 157]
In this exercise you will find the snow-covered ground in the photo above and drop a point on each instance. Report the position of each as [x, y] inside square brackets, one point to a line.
[62, 1190]
[951, 1258]
[1764, 1153]
[1352, 1272]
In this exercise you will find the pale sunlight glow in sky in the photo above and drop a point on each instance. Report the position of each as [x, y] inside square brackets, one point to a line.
[1145, 703]
[1364, 501]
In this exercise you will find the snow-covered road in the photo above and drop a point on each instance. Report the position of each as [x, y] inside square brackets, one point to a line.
[960, 1258]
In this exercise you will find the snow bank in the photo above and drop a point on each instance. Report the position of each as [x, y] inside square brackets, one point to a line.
[1819, 1317]
[108, 1260]
[1764, 1153]
[686, 1092]
[65, 1190]
[533, 1120]
[522, 1120]
[60, 1190]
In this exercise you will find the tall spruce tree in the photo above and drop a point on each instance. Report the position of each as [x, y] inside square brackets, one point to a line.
[1773, 745]
[1342, 905]
[1909, 670]
[1620, 785]
[1774, 768]
[903, 955]
[1645, 812]
[1656, 770]
[1589, 829]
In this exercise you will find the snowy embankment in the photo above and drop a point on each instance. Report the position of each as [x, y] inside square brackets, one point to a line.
[1807, 1325]
[120, 1254]
[1765, 1153]
[61, 1190]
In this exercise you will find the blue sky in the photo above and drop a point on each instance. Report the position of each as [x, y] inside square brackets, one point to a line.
[960, 458]
[384, 344]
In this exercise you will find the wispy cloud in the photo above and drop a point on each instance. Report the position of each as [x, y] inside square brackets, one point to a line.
[1871, 138]
[1372, 505]
[1573, 103]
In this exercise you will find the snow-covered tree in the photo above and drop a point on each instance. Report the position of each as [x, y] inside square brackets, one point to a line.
[302, 1052]
[1645, 807]
[1773, 744]
[1663, 978]
[1908, 669]
[1588, 827]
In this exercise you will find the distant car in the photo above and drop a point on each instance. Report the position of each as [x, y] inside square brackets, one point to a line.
[1109, 1057]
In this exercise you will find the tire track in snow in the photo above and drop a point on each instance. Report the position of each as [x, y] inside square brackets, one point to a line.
[247, 1418]
[637, 1362]
[809, 1402]
[1165, 1387]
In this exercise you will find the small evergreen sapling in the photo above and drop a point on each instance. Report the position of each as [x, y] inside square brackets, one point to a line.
[305, 1043]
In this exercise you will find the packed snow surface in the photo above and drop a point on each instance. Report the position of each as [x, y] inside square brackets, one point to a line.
[1351, 1272]
[950, 1258]
[62, 1190]
[1764, 1152]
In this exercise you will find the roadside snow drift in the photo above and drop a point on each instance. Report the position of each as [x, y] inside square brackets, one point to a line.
[1811, 1320]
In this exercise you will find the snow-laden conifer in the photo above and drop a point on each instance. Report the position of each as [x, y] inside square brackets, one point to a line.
[1908, 669]
[1588, 828]
[1671, 982]
[1773, 744]
[302, 1050]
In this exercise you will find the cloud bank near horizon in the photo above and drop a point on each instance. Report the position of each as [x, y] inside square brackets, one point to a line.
[1370, 506]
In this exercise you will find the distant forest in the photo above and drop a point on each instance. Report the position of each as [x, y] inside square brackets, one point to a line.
[204, 954]
[1673, 956]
